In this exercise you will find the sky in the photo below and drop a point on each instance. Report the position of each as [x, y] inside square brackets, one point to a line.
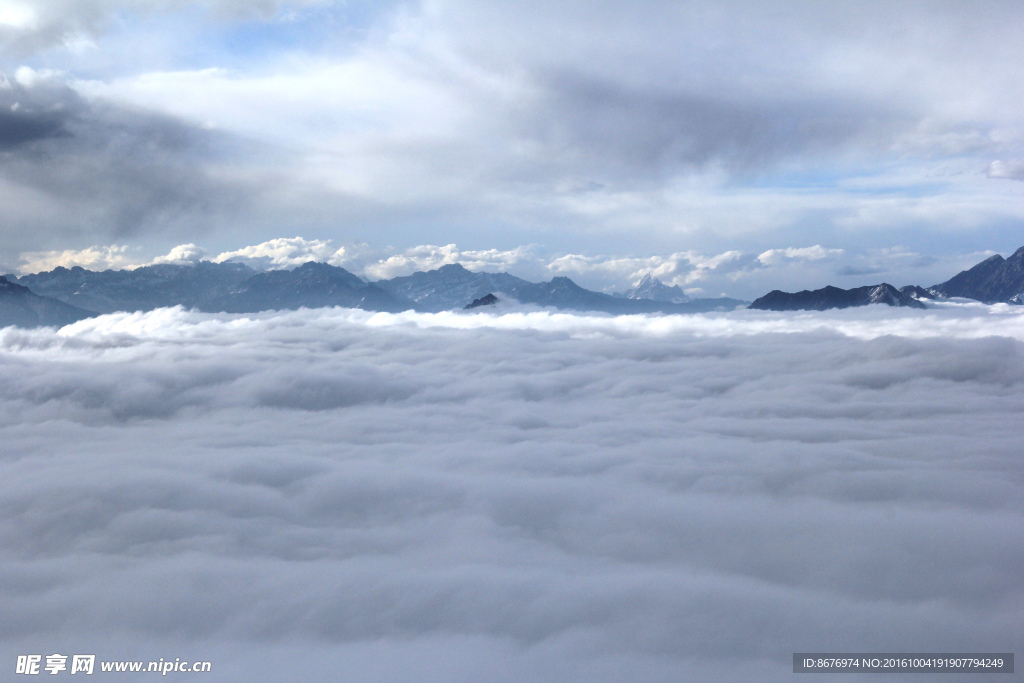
[728, 147]
[518, 495]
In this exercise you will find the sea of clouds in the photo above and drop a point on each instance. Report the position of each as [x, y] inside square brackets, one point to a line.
[514, 495]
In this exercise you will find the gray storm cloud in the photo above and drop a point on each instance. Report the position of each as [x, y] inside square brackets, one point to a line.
[98, 168]
[532, 495]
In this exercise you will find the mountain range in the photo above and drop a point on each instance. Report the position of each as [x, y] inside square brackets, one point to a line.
[237, 288]
[65, 295]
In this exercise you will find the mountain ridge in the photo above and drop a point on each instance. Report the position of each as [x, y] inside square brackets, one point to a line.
[22, 307]
[833, 297]
[994, 280]
[236, 288]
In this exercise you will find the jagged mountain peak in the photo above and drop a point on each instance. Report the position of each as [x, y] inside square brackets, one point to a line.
[991, 281]
[834, 297]
[488, 300]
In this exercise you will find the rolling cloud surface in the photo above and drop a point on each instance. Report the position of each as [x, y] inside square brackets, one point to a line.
[514, 495]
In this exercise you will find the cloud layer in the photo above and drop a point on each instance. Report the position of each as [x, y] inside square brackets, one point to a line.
[508, 497]
[657, 128]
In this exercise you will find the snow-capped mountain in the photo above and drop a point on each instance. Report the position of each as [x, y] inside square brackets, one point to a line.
[653, 289]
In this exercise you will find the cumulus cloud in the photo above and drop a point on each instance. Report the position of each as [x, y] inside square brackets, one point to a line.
[181, 255]
[430, 256]
[113, 257]
[681, 268]
[109, 257]
[286, 252]
[533, 495]
[370, 262]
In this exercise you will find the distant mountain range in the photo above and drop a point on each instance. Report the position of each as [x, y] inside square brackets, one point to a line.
[65, 295]
[142, 289]
[236, 288]
[311, 285]
[452, 286]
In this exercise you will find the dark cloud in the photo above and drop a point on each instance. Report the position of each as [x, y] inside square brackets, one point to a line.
[34, 114]
[560, 497]
[622, 129]
[104, 170]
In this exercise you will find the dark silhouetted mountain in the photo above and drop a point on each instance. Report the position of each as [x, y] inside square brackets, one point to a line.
[488, 300]
[20, 306]
[142, 289]
[992, 281]
[654, 289]
[311, 285]
[917, 292]
[834, 297]
[453, 286]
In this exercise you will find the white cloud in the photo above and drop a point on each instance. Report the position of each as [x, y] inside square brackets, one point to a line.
[536, 496]
[16, 15]
[682, 268]
[110, 257]
[816, 253]
[286, 252]
[182, 254]
[28, 77]
[430, 257]
[113, 256]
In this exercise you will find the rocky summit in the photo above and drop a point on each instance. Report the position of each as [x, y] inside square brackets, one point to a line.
[994, 280]
[488, 300]
[834, 297]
